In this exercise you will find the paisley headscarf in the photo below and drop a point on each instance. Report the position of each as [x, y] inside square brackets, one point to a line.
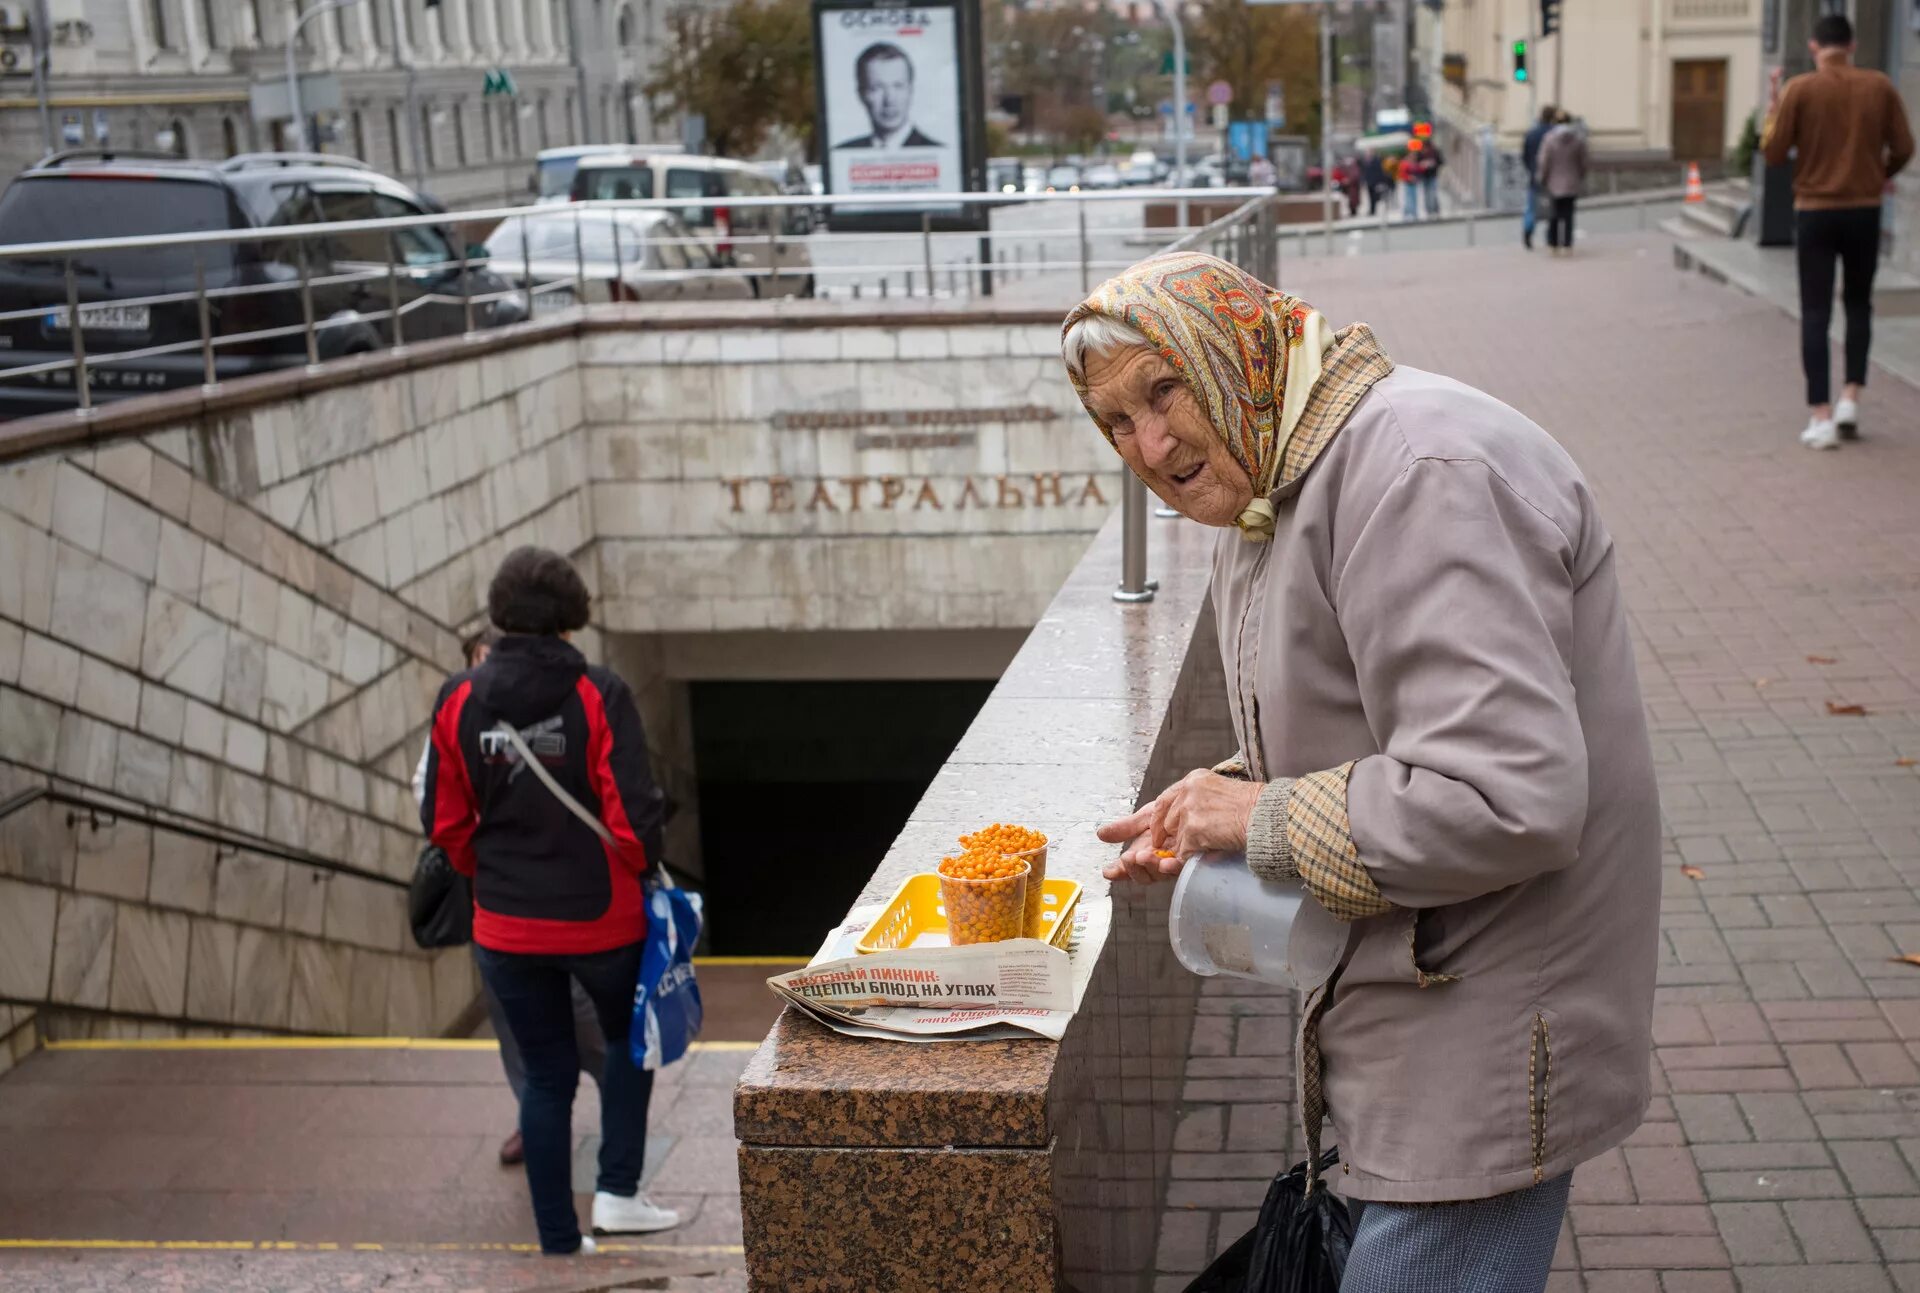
[1275, 379]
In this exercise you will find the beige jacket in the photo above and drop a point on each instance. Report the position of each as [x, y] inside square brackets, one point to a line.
[1430, 665]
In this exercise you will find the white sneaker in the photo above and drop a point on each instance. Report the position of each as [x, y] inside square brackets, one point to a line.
[614, 1215]
[1820, 434]
[587, 1247]
[1846, 419]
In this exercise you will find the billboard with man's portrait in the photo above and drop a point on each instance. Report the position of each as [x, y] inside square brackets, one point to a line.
[893, 100]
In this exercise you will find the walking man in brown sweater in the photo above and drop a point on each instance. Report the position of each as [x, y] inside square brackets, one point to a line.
[1849, 133]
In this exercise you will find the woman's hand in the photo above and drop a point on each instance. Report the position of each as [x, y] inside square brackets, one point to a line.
[1203, 812]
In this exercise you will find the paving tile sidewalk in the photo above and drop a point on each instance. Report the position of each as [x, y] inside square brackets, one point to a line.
[1766, 583]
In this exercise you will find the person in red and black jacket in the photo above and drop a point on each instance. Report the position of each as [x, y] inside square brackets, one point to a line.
[551, 902]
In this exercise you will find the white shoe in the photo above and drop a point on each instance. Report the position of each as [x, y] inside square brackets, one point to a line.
[587, 1247]
[614, 1215]
[1820, 434]
[1846, 419]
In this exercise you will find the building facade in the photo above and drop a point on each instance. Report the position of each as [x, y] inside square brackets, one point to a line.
[1654, 80]
[176, 75]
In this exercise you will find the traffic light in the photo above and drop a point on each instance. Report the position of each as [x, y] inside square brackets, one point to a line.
[1520, 61]
[1549, 17]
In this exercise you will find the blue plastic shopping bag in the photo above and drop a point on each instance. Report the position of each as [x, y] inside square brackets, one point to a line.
[666, 1001]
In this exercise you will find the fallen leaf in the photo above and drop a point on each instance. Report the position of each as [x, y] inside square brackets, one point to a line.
[1693, 872]
[1835, 707]
[1911, 958]
[1821, 659]
[1905, 763]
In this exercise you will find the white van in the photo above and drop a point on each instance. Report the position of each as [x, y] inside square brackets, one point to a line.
[756, 238]
[553, 168]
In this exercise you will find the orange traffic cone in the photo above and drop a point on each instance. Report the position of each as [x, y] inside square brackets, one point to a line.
[1696, 191]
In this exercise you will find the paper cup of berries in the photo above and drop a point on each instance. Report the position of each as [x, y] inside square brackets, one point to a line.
[985, 895]
[1030, 846]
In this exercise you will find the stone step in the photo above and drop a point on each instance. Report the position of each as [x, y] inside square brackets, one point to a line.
[1710, 217]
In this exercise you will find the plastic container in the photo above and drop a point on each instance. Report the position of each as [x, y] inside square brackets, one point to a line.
[985, 911]
[1036, 860]
[1226, 920]
[916, 916]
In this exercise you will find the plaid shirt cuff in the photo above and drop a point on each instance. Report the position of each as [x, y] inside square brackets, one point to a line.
[1320, 846]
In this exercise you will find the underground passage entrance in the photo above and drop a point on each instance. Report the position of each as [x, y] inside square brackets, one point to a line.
[803, 785]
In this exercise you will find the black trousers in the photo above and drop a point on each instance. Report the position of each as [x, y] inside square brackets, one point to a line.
[1560, 223]
[1852, 236]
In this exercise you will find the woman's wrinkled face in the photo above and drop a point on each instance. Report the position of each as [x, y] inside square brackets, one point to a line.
[1162, 431]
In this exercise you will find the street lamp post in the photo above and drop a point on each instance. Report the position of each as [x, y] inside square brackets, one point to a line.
[1172, 12]
[300, 20]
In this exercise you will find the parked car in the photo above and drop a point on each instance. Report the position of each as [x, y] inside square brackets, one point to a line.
[1144, 167]
[756, 238]
[352, 275]
[1063, 179]
[1003, 174]
[553, 168]
[1102, 176]
[619, 255]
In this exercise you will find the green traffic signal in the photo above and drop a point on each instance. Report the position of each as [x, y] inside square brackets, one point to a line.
[1520, 60]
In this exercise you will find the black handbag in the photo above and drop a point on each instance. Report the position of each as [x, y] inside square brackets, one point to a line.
[1299, 1245]
[439, 901]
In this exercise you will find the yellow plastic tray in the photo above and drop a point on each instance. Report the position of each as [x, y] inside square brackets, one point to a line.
[914, 917]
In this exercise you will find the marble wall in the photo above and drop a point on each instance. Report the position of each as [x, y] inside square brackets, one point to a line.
[1065, 1150]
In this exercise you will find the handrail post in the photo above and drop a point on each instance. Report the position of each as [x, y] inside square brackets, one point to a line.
[616, 290]
[1086, 282]
[208, 372]
[1134, 584]
[79, 342]
[580, 253]
[926, 248]
[526, 251]
[466, 290]
[773, 248]
[393, 295]
[306, 304]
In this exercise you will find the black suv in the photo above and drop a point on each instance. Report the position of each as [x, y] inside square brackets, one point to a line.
[91, 194]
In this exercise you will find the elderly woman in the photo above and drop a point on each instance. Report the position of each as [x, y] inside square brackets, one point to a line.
[1442, 742]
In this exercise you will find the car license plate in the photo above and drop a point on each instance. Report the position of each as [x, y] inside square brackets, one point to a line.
[103, 318]
[558, 299]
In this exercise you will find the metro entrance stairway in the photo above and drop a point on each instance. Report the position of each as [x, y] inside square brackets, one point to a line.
[329, 1163]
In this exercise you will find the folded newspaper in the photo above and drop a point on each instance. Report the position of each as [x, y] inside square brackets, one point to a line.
[1016, 988]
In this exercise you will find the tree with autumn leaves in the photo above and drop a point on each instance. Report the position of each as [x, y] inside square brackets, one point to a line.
[746, 67]
[1249, 46]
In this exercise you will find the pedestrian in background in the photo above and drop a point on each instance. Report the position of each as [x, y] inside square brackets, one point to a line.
[1563, 169]
[1410, 167]
[1530, 158]
[1373, 170]
[1847, 129]
[552, 903]
[1431, 162]
[590, 1044]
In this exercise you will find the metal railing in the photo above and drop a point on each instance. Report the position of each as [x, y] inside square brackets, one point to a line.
[231, 302]
[97, 813]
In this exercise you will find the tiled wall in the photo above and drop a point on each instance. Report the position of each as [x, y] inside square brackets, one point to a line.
[242, 619]
[166, 645]
[674, 417]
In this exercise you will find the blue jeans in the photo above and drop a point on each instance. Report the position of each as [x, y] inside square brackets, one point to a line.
[535, 995]
[1430, 186]
[1410, 199]
[1530, 217]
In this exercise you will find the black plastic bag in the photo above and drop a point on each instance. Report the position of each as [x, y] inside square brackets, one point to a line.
[439, 902]
[1299, 1245]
